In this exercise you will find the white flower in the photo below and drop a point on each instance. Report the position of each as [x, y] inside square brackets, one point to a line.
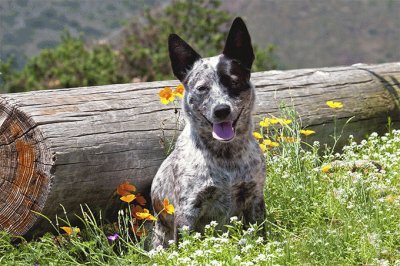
[197, 235]
[185, 228]
[225, 235]
[183, 244]
[173, 255]
[237, 258]
[184, 260]
[171, 242]
[198, 253]
[215, 262]
[259, 240]
[261, 257]
[233, 219]
[213, 223]
[251, 230]
[242, 241]
[248, 247]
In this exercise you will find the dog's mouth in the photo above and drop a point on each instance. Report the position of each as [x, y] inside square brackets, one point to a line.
[224, 131]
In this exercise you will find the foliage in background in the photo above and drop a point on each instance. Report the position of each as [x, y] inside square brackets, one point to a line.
[141, 54]
[70, 64]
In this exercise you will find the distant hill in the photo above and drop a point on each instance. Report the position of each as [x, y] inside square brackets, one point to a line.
[307, 33]
[316, 33]
[26, 26]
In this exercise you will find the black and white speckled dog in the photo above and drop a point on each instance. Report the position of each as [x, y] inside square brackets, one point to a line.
[217, 169]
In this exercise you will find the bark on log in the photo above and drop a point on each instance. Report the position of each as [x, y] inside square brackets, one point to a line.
[75, 146]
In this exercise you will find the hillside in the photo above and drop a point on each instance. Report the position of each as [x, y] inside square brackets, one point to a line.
[26, 26]
[314, 33]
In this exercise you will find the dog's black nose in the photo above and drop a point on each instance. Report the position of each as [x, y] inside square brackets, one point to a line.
[221, 111]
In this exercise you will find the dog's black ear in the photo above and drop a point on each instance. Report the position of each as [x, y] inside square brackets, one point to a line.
[182, 56]
[238, 44]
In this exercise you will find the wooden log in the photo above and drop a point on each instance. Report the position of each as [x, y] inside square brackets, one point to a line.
[75, 146]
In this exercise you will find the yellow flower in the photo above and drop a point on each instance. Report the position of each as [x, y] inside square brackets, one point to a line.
[334, 105]
[70, 230]
[145, 215]
[128, 198]
[166, 95]
[257, 135]
[283, 121]
[326, 168]
[179, 90]
[265, 122]
[274, 121]
[270, 143]
[263, 147]
[289, 139]
[169, 208]
[307, 132]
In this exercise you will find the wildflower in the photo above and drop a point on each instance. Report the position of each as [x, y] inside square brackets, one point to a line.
[307, 132]
[270, 143]
[334, 105]
[326, 168]
[166, 95]
[125, 189]
[233, 219]
[283, 121]
[184, 244]
[197, 235]
[173, 254]
[136, 209]
[70, 230]
[139, 230]
[179, 90]
[185, 228]
[265, 122]
[140, 199]
[128, 198]
[257, 135]
[145, 215]
[289, 139]
[274, 121]
[213, 223]
[169, 208]
[113, 237]
[198, 253]
[263, 147]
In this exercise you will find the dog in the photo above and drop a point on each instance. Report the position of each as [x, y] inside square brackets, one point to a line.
[217, 169]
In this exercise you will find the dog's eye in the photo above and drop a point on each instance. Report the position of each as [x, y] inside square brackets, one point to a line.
[203, 88]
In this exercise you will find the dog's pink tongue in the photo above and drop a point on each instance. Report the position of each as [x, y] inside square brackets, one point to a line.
[223, 131]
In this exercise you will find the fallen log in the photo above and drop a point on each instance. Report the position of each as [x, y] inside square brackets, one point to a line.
[75, 146]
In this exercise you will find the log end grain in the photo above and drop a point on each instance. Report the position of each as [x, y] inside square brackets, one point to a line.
[25, 164]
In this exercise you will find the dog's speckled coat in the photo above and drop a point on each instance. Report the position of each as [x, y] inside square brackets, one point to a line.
[204, 178]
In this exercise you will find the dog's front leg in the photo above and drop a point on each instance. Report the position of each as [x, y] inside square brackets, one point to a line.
[256, 213]
[186, 217]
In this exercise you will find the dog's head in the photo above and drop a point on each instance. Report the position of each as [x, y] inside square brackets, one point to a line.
[219, 96]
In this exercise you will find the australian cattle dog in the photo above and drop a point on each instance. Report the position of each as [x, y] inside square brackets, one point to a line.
[217, 169]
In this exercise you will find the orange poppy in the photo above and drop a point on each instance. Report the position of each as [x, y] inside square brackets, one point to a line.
[125, 189]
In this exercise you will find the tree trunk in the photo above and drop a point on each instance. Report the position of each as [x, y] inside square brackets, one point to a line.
[75, 146]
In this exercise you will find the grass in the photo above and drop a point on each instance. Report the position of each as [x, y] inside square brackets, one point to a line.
[344, 215]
